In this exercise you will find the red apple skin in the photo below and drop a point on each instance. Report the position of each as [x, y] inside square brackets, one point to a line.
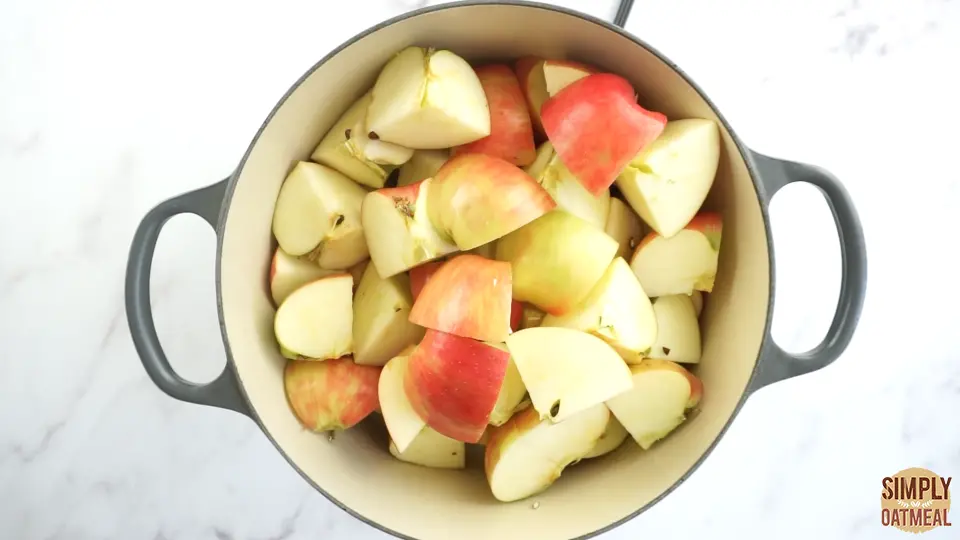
[597, 127]
[420, 275]
[511, 130]
[479, 198]
[516, 315]
[403, 194]
[332, 394]
[708, 223]
[524, 68]
[453, 383]
[468, 296]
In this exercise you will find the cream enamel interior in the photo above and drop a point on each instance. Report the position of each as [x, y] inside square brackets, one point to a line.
[356, 469]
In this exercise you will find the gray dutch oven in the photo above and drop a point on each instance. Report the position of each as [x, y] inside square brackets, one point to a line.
[355, 472]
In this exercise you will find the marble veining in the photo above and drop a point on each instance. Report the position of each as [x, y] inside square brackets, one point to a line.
[111, 106]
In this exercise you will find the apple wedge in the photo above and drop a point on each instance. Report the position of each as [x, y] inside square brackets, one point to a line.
[542, 79]
[556, 260]
[381, 325]
[476, 199]
[597, 127]
[566, 371]
[453, 383]
[428, 99]
[611, 439]
[616, 310]
[662, 393]
[531, 317]
[424, 164]
[331, 395]
[468, 296]
[397, 225]
[526, 455]
[356, 271]
[697, 298]
[667, 182]
[624, 226]
[431, 449]
[317, 216]
[288, 273]
[511, 133]
[488, 250]
[566, 190]
[510, 400]
[683, 263]
[316, 320]
[348, 149]
[420, 275]
[678, 338]
[516, 315]
[403, 423]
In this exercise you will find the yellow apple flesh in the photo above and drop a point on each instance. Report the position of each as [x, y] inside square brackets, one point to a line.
[433, 450]
[616, 310]
[424, 164]
[678, 338]
[697, 299]
[667, 182]
[403, 423]
[511, 395]
[288, 273]
[662, 392]
[381, 308]
[348, 149]
[624, 226]
[566, 190]
[567, 371]
[682, 263]
[611, 439]
[317, 216]
[527, 455]
[399, 233]
[316, 320]
[428, 99]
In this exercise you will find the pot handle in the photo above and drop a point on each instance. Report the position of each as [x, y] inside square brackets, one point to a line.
[224, 391]
[775, 363]
[623, 11]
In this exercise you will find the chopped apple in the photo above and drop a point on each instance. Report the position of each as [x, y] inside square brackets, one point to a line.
[316, 320]
[288, 273]
[616, 310]
[399, 233]
[597, 127]
[542, 79]
[424, 164]
[348, 149]
[476, 198]
[566, 190]
[510, 400]
[556, 260]
[683, 263]
[488, 250]
[317, 216]
[697, 298]
[516, 315]
[331, 395]
[624, 226]
[403, 423]
[611, 439]
[428, 99]
[511, 133]
[381, 311]
[468, 296]
[420, 275]
[662, 393]
[453, 383]
[566, 371]
[532, 317]
[678, 338]
[431, 449]
[526, 455]
[667, 182]
[357, 271]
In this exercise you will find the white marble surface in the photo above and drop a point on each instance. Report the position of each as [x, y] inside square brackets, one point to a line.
[110, 106]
